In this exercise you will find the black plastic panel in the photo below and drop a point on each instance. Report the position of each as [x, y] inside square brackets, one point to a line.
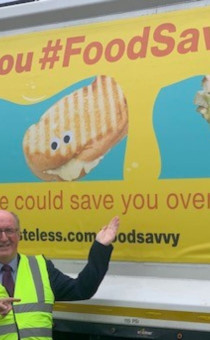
[99, 331]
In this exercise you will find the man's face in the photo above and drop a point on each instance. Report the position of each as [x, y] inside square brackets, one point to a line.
[9, 237]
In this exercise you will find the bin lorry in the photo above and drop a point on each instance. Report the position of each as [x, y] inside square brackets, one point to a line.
[141, 68]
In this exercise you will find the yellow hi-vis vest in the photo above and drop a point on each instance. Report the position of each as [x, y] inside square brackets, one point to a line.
[31, 318]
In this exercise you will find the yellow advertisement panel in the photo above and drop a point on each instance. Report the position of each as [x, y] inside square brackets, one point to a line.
[109, 119]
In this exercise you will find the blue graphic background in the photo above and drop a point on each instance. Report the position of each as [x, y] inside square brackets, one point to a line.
[16, 119]
[183, 135]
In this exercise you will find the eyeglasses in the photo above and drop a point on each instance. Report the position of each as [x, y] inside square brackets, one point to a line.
[8, 231]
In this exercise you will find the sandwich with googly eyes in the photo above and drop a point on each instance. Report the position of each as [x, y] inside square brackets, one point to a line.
[202, 99]
[73, 135]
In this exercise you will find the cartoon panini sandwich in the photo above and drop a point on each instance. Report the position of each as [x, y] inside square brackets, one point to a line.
[202, 99]
[74, 134]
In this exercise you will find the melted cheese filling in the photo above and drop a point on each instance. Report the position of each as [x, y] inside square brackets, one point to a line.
[72, 169]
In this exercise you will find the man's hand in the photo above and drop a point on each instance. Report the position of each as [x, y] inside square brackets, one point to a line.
[6, 305]
[107, 234]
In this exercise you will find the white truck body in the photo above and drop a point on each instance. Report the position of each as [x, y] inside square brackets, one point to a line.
[137, 300]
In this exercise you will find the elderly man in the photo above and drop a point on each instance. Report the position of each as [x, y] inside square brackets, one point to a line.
[29, 285]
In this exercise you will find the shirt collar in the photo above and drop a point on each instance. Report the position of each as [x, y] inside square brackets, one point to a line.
[12, 264]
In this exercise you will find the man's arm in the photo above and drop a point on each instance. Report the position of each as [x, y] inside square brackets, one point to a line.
[89, 279]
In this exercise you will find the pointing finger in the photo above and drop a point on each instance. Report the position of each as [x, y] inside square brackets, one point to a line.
[114, 223]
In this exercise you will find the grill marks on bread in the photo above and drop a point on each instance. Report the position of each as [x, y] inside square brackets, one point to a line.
[90, 115]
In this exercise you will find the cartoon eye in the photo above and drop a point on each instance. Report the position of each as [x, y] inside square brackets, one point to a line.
[55, 143]
[67, 137]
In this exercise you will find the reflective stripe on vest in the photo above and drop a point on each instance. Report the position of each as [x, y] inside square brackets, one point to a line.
[35, 332]
[36, 276]
[8, 329]
[27, 332]
[33, 307]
